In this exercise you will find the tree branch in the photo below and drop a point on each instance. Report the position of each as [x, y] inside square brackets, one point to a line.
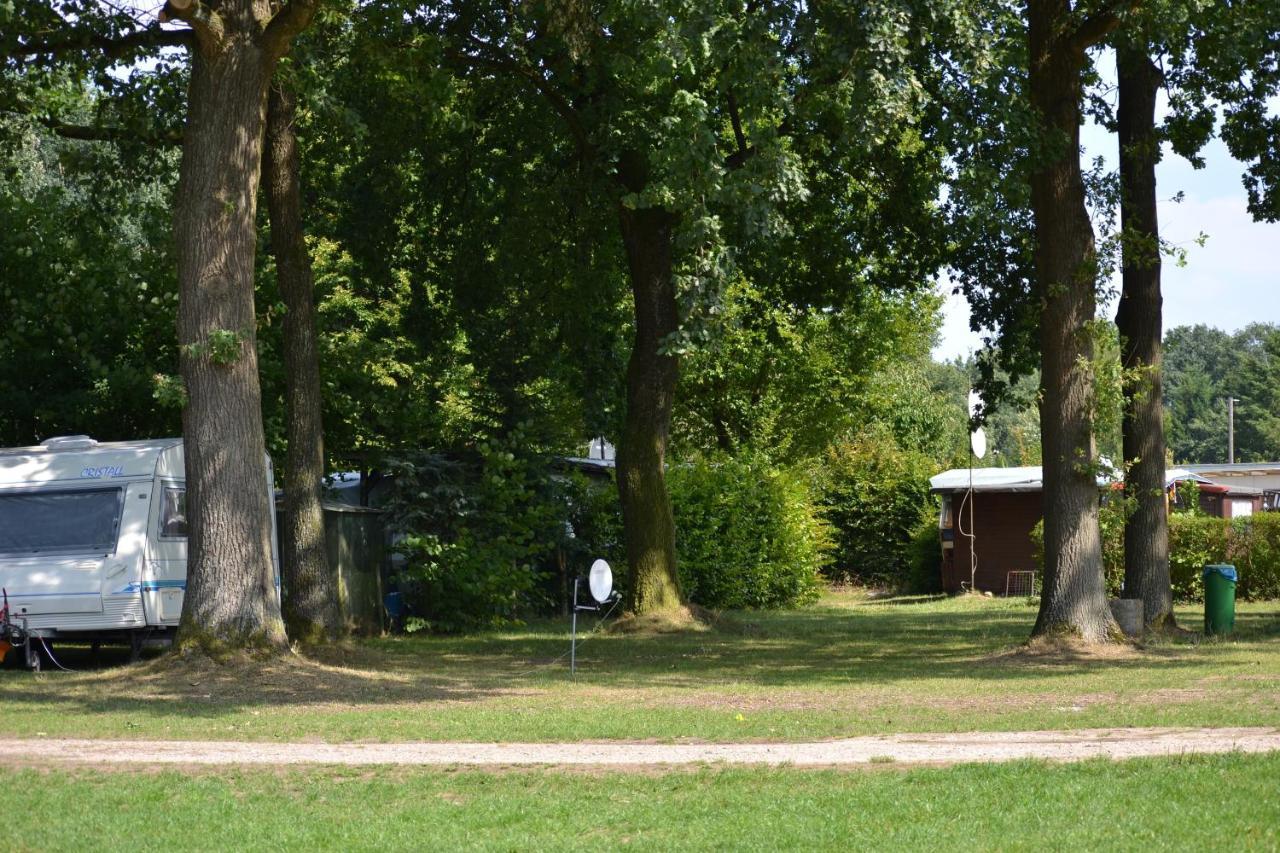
[1094, 28]
[89, 133]
[112, 48]
[285, 25]
[737, 158]
[554, 98]
[207, 24]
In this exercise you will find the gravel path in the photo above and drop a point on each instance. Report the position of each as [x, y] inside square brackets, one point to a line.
[908, 748]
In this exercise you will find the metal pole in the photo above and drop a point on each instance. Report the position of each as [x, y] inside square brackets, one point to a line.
[973, 554]
[573, 636]
[1231, 430]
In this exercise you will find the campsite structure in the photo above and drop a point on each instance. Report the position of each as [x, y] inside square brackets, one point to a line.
[995, 509]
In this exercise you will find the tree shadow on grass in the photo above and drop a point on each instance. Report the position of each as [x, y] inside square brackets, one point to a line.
[816, 648]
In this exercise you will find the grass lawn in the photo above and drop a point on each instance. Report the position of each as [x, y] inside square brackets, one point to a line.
[845, 666]
[1188, 803]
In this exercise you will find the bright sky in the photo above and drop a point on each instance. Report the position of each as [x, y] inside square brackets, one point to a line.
[1230, 282]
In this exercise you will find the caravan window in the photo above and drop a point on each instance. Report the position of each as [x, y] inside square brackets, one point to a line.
[173, 513]
[72, 521]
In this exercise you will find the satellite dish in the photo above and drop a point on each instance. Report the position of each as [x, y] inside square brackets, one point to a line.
[978, 442]
[601, 581]
[975, 400]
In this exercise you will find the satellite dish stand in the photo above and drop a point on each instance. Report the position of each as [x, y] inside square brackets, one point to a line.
[600, 582]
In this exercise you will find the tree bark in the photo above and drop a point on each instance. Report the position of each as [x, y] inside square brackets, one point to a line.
[652, 376]
[1074, 599]
[1146, 534]
[231, 601]
[311, 612]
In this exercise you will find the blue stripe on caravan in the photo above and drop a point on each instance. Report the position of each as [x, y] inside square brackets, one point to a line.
[150, 586]
[43, 594]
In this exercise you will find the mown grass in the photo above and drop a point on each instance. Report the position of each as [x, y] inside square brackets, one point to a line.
[845, 666]
[1219, 802]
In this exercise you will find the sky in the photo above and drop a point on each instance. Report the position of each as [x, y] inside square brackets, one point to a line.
[1233, 280]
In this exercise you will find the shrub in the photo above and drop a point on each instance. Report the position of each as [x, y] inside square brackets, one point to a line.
[876, 496]
[595, 526]
[1195, 541]
[924, 557]
[476, 535]
[747, 535]
[1254, 549]
[1251, 544]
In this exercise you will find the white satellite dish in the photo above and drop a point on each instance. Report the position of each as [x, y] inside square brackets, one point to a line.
[978, 442]
[975, 400]
[601, 581]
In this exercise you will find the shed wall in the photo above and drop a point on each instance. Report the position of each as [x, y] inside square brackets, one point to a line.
[1002, 524]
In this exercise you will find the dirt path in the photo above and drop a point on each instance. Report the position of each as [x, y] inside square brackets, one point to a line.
[907, 748]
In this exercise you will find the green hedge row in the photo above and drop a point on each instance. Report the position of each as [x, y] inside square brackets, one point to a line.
[1251, 544]
[483, 535]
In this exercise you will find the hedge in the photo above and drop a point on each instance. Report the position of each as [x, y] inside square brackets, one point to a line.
[747, 534]
[876, 496]
[1251, 544]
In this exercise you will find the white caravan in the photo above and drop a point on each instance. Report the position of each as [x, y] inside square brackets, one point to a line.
[93, 538]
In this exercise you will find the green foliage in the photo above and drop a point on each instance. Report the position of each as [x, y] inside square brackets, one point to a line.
[595, 517]
[221, 346]
[1255, 552]
[924, 558]
[747, 535]
[87, 289]
[875, 493]
[1195, 541]
[1251, 544]
[786, 381]
[476, 535]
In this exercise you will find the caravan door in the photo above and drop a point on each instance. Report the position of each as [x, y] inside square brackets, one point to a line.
[165, 582]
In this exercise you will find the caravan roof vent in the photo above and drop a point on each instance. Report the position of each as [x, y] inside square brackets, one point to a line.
[69, 442]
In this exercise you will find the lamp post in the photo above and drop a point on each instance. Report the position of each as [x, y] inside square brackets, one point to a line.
[1231, 430]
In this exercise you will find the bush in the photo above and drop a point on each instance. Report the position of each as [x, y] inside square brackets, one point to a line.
[476, 536]
[1254, 549]
[1251, 544]
[876, 496]
[747, 535]
[924, 557]
[595, 523]
[1195, 541]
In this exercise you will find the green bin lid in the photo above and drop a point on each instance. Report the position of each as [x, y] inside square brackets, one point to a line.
[1228, 572]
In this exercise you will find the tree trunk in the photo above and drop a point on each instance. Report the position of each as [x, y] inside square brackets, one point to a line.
[1146, 535]
[231, 599]
[651, 387]
[311, 611]
[1074, 600]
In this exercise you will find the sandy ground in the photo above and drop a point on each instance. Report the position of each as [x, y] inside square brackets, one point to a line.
[907, 748]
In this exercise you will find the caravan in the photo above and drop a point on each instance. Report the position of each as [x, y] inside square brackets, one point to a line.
[93, 539]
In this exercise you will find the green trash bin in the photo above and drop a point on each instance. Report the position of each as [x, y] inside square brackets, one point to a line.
[1219, 599]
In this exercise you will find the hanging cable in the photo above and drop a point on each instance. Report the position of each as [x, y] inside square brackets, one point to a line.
[52, 658]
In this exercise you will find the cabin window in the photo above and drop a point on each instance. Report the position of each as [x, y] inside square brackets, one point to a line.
[173, 513]
[70, 521]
